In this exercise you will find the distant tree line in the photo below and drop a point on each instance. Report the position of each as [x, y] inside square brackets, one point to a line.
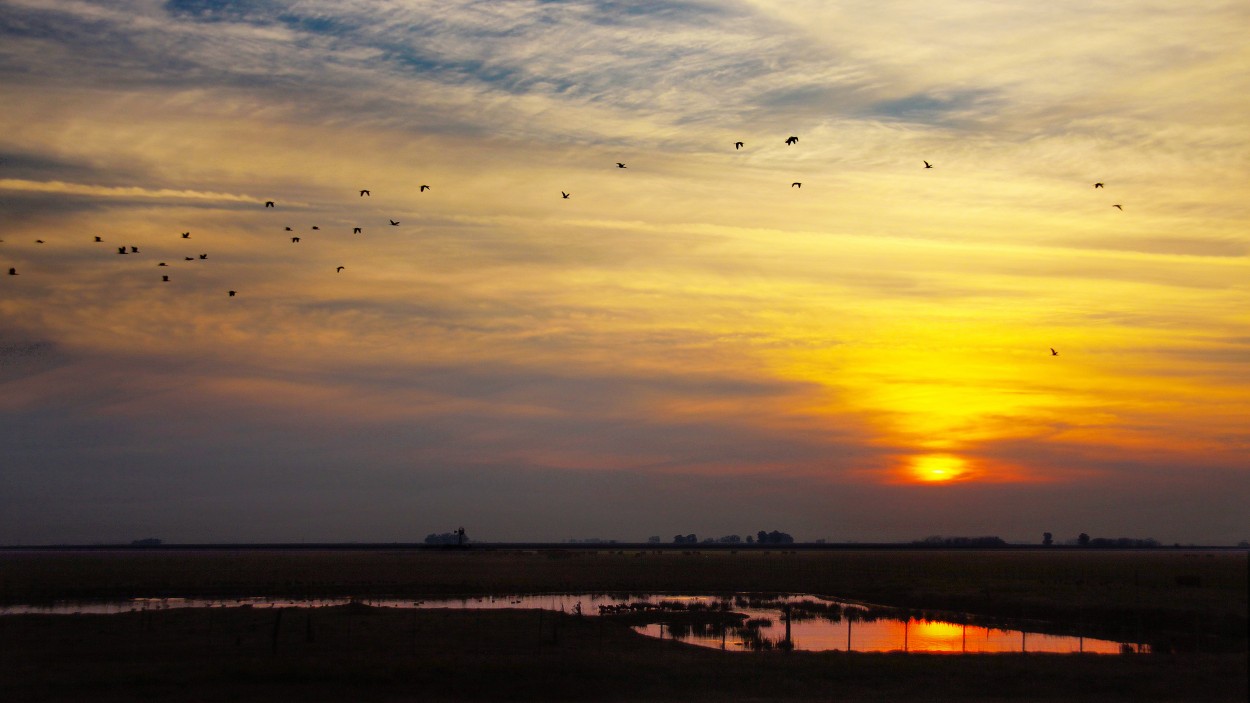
[761, 537]
[455, 537]
[1084, 540]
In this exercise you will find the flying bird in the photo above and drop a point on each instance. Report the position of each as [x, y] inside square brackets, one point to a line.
[738, 145]
[363, 193]
[165, 279]
[231, 294]
[1118, 208]
[288, 229]
[564, 195]
[927, 164]
[355, 230]
[121, 250]
[12, 272]
[38, 241]
[98, 239]
[294, 239]
[339, 269]
[620, 165]
[268, 203]
[1053, 352]
[203, 256]
[186, 235]
[185, 258]
[162, 264]
[316, 228]
[796, 184]
[424, 188]
[792, 140]
[134, 250]
[394, 223]
[1098, 185]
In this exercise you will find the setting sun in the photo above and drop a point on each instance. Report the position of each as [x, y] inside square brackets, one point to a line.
[938, 468]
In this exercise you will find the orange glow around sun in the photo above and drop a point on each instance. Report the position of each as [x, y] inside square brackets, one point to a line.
[937, 468]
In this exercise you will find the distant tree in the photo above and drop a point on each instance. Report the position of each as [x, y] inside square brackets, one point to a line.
[146, 542]
[456, 537]
[1083, 540]
[653, 540]
[730, 539]
[685, 539]
[1048, 539]
[750, 539]
[774, 537]
[1243, 544]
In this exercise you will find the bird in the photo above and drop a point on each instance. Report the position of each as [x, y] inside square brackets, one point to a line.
[269, 203]
[564, 195]
[363, 193]
[288, 229]
[189, 258]
[165, 278]
[38, 241]
[13, 272]
[927, 164]
[738, 145]
[121, 250]
[231, 294]
[620, 165]
[134, 250]
[98, 239]
[796, 184]
[294, 239]
[162, 264]
[424, 188]
[792, 140]
[1053, 352]
[1118, 208]
[1098, 185]
[394, 223]
[316, 228]
[339, 269]
[355, 230]
[203, 256]
[186, 235]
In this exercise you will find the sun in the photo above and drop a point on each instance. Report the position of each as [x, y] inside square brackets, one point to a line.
[937, 468]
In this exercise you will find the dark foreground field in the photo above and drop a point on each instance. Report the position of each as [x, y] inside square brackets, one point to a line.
[356, 653]
[1189, 606]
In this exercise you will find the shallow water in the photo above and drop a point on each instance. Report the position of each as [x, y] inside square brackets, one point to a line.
[807, 631]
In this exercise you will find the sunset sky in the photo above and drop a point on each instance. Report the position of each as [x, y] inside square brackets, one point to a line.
[688, 344]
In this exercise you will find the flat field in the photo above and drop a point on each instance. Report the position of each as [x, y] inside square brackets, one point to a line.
[1191, 605]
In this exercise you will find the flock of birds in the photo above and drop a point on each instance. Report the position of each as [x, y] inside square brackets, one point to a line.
[365, 192]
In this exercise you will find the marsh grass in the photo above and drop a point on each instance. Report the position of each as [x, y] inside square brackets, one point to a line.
[377, 654]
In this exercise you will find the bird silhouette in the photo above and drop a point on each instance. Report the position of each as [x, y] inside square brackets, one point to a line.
[1053, 352]
[121, 250]
[1118, 208]
[363, 193]
[738, 145]
[269, 203]
[316, 228]
[162, 264]
[203, 256]
[339, 269]
[294, 239]
[231, 294]
[38, 241]
[134, 250]
[564, 195]
[12, 272]
[287, 229]
[1098, 185]
[355, 230]
[188, 258]
[186, 235]
[927, 164]
[620, 165]
[165, 279]
[424, 188]
[796, 184]
[98, 239]
[394, 223]
[792, 140]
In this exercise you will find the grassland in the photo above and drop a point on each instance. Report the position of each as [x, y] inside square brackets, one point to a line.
[1192, 604]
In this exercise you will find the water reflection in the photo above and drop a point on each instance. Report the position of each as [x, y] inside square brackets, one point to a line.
[805, 623]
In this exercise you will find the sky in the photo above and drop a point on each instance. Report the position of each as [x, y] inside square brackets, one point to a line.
[690, 344]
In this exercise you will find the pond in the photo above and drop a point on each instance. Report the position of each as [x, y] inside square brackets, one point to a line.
[742, 622]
